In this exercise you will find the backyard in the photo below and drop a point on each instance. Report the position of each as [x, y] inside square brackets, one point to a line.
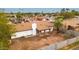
[36, 42]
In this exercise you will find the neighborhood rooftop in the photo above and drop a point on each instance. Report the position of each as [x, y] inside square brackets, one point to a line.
[72, 22]
[41, 25]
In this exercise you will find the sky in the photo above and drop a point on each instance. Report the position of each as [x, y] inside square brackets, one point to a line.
[45, 10]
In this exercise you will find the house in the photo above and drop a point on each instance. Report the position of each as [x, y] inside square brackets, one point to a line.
[74, 23]
[31, 28]
[22, 29]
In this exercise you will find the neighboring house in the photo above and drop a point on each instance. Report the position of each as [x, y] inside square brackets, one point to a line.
[74, 23]
[31, 28]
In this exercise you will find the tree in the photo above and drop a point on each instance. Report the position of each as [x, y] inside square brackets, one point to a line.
[58, 23]
[67, 13]
[18, 15]
[67, 9]
[75, 12]
[6, 31]
[63, 10]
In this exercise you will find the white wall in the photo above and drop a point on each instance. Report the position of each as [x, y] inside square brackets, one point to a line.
[23, 33]
[34, 26]
[60, 44]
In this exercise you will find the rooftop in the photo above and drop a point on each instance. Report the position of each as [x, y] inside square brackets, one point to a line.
[72, 22]
[41, 25]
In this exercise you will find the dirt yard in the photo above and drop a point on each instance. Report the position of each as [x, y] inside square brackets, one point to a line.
[37, 42]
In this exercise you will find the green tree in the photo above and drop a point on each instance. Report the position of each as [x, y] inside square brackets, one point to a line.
[19, 15]
[58, 23]
[67, 9]
[75, 12]
[6, 31]
[67, 13]
[62, 10]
